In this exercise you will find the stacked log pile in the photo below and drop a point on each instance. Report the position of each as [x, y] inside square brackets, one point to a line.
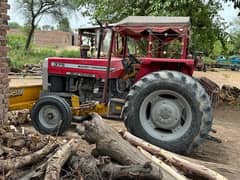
[33, 69]
[18, 117]
[28, 69]
[28, 155]
[3, 61]
[230, 94]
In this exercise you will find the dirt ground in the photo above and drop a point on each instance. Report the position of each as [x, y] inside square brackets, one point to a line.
[221, 77]
[226, 122]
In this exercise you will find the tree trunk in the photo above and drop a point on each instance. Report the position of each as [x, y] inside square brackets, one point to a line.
[29, 37]
[110, 143]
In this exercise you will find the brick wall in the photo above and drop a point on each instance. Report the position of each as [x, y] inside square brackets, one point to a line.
[50, 38]
[4, 82]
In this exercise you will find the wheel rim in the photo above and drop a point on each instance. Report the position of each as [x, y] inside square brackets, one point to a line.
[165, 115]
[50, 116]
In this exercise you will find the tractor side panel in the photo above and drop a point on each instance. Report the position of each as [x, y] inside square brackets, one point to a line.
[95, 68]
[149, 65]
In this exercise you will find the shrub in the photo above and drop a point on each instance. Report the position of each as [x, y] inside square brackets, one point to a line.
[19, 57]
[69, 53]
[16, 42]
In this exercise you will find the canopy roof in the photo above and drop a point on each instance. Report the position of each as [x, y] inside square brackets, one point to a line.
[152, 20]
[138, 26]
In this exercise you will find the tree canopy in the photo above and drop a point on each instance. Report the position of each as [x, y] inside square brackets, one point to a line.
[206, 24]
[64, 25]
[34, 10]
[14, 25]
[236, 4]
[235, 37]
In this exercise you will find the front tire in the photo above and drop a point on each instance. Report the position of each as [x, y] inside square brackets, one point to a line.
[169, 109]
[51, 115]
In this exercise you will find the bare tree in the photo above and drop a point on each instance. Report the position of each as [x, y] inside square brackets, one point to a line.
[34, 10]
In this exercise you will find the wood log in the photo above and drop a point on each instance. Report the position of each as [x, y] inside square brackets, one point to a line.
[162, 165]
[110, 143]
[8, 150]
[136, 171]
[103, 169]
[85, 166]
[19, 162]
[36, 172]
[187, 167]
[59, 158]
[226, 170]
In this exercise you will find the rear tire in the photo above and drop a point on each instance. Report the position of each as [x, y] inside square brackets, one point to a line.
[51, 115]
[169, 109]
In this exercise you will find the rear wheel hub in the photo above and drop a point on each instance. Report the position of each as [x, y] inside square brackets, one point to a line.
[166, 114]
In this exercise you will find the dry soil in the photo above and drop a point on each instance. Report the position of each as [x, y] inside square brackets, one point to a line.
[226, 121]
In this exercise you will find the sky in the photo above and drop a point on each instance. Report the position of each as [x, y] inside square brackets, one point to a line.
[77, 20]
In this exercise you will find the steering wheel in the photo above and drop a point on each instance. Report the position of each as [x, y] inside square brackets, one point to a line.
[133, 59]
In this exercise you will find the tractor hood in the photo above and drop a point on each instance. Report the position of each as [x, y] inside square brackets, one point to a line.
[96, 68]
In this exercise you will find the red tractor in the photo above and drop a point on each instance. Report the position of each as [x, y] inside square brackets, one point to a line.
[137, 70]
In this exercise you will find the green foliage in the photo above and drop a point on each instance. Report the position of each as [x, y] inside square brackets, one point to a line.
[217, 49]
[14, 25]
[19, 57]
[233, 45]
[69, 53]
[47, 28]
[16, 42]
[64, 25]
[236, 4]
[34, 10]
[206, 24]
[209, 60]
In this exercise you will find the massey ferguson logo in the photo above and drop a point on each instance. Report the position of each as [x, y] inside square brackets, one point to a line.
[55, 64]
[80, 66]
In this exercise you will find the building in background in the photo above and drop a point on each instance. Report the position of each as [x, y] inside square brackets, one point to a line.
[50, 38]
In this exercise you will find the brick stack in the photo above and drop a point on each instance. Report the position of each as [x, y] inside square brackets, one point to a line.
[4, 82]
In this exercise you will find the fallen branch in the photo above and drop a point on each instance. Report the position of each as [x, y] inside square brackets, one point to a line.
[59, 158]
[186, 166]
[19, 162]
[36, 172]
[164, 166]
[8, 150]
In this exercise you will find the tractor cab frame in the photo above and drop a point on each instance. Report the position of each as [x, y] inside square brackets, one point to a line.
[158, 32]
